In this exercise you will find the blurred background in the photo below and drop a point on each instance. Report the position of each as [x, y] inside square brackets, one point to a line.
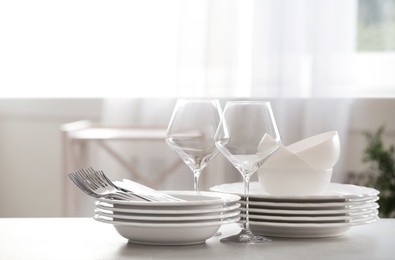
[324, 65]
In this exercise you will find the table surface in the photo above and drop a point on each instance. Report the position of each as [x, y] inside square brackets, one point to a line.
[85, 238]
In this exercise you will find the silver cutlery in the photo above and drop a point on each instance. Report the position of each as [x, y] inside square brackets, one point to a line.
[96, 187]
[87, 186]
[97, 184]
[139, 188]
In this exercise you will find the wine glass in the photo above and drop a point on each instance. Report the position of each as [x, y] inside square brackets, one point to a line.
[191, 133]
[247, 135]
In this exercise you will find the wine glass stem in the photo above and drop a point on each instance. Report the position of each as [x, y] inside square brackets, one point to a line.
[246, 179]
[196, 176]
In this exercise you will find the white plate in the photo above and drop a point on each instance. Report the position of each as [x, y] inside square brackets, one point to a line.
[361, 208]
[167, 234]
[192, 200]
[311, 219]
[336, 192]
[311, 206]
[161, 218]
[151, 211]
[293, 230]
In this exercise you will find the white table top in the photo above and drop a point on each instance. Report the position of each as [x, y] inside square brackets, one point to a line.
[119, 134]
[85, 238]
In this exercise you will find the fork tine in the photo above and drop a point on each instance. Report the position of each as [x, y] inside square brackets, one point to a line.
[105, 182]
[86, 181]
[100, 174]
[83, 179]
[88, 189]
[100, 178]
[84, 184]
[76, 182]
[81, 185]
[90, 178]
[87, 177]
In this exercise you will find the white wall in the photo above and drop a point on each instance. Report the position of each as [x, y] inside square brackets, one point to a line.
[30, 153]
[31, 171]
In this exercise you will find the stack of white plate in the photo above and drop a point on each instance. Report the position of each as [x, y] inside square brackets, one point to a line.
[192, 221]
[330, 214]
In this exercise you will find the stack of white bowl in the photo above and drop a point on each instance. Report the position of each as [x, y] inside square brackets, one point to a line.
[329, 214]
[302, 168]
[191, 221]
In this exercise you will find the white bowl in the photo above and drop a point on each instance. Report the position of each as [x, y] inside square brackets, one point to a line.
[284, 159]
[294, 182]
[167, 234]
[320, 152]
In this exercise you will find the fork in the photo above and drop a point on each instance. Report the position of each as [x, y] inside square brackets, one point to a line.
[143, 192]
[95, 181]
[82, 185]
[98, 179]
[95, 185]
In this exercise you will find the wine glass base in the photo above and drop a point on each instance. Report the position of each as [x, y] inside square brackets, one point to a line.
[245, 237]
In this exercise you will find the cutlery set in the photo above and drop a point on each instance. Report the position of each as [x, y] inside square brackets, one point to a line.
[96, 184]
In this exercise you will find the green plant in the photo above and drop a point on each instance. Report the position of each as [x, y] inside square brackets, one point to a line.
[382, 170]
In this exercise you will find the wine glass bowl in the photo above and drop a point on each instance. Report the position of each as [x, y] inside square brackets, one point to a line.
[191, 133]
[247, 136]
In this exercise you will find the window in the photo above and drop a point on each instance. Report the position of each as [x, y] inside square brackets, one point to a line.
[376, 25]
[375, 59]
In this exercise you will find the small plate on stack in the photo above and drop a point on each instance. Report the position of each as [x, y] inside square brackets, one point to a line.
[330, 214]
[189, 222]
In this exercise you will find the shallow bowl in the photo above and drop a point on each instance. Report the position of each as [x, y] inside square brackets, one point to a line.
[167, 234]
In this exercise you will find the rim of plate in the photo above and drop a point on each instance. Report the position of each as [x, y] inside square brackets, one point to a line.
[167, 225]
[315, 225]
[335, 191]
[281, 204]
[367, 207]
[306, 219]
[215, 198]
[348, 214]
[99, 204]
[159, 218]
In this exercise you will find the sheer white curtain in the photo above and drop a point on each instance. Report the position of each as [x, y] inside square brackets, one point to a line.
[304, 48]
[267, 49]
[274, 48]
[154, 48]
